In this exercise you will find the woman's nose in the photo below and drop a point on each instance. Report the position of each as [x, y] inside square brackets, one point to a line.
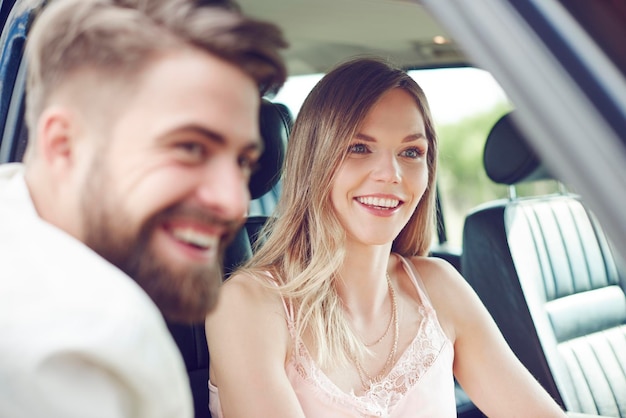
[387, 168]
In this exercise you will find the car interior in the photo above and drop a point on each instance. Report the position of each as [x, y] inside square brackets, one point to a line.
[542, 265]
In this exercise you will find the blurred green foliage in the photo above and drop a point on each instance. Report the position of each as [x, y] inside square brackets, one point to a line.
[461, 158]
[463, 183]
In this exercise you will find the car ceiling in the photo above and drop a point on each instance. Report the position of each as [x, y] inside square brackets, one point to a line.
[322, 33]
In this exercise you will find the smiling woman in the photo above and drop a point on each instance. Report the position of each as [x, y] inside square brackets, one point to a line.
[340, 312]
[390, 146]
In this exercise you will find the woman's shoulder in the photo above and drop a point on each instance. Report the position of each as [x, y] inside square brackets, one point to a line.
[247, 332]
[447, 289]
[441, 278]
[246, 284]
[249, 289]
[247, 299]
[436, 273]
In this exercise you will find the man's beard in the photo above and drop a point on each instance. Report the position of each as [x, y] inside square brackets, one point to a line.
[183, 294]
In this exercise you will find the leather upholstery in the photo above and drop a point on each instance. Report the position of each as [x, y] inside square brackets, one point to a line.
[275, 125]
[508, 159]
[546, 271]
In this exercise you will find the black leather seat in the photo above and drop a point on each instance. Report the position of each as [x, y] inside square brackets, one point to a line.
[275, 125]
[546, 271]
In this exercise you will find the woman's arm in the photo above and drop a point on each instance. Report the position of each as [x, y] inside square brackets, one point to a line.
[249, 342]
[484, 365]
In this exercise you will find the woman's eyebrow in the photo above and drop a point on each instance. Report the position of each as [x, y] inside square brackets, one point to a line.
[364, 137]
[414, 137]
[408, 138]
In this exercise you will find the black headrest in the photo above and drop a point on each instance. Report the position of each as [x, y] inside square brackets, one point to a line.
[508, 158]
[275, 125]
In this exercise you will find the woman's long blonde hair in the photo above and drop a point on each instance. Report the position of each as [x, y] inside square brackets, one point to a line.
[304, 242]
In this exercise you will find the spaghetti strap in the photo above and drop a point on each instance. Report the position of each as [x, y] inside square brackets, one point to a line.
[287, 306]
[416, 279]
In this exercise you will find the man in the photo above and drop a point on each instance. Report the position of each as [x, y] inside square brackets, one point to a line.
[143, 122]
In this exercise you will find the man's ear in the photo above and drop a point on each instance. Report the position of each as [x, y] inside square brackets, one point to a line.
[55, 138]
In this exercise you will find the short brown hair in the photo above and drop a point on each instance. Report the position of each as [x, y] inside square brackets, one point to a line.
[119, 37]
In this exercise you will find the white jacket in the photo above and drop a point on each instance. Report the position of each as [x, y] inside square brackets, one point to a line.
[78, 338]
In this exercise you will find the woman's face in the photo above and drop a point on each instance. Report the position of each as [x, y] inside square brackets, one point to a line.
[385, 173]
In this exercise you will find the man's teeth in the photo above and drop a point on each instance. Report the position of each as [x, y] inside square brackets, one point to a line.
[379, 202]
[195, 238]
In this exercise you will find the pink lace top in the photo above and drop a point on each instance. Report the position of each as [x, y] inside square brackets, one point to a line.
[420, 384]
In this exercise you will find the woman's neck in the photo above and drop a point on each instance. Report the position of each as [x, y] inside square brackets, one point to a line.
[363, 284]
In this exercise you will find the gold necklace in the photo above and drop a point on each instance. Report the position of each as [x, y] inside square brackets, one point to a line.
[390, 316]
[366, 380]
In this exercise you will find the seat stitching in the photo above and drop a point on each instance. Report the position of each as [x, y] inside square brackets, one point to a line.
[524, 210]
[602, 371]
[604, 250]
[538, 234]
[582, 372]
[582, 246]
[617, 359]
[568, 257]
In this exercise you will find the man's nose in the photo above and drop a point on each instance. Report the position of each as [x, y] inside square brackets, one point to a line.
[224, 189]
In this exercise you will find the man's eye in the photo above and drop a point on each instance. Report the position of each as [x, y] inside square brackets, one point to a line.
[248, 163]
[191, 151]
[192, 148]
[357, 149]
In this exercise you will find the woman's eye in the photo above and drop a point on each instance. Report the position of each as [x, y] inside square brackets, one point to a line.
[357, 149]
[413, 153]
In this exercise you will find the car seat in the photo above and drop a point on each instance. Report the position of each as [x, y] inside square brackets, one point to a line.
[546, 271]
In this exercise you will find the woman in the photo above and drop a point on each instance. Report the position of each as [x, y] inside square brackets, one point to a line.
[340, 313]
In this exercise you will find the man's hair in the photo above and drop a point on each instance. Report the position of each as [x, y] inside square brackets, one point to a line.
[116, 39]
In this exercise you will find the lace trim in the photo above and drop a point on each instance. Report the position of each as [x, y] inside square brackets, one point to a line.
[384, 395]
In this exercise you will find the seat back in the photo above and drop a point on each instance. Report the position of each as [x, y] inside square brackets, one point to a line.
[275, 125]
[547, 273]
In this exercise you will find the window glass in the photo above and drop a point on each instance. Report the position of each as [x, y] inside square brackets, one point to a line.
[465, 104]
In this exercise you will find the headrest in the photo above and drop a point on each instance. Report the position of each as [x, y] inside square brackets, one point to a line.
[508, 159]
[275, 125]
